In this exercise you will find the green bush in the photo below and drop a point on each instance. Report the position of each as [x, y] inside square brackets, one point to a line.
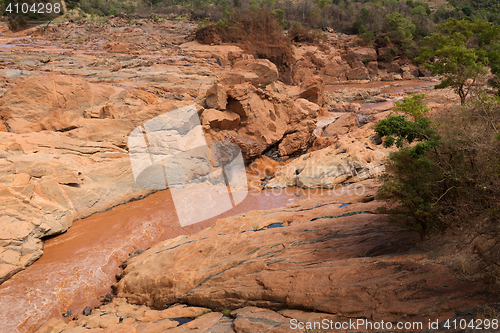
[412, 178]
[447, 171]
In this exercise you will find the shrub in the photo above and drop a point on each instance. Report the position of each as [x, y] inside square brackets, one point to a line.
[450, 175]
[412, 178]
[258, 33]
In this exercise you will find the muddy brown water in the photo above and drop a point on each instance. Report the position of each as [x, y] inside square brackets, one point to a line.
[79, 266]
[396, 87]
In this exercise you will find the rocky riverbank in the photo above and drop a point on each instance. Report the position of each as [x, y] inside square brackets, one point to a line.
[332, 258]
[72, 93]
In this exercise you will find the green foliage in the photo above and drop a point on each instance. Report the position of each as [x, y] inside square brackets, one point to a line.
[452, 180]
[461, 51]
[400, 131]
[400, 30]
[226, 312]
[414, 182]
[412, 106]
[412, 176]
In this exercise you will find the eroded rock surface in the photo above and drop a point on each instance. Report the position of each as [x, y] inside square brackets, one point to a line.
[259, 263]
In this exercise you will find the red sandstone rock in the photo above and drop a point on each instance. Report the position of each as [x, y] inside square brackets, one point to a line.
[263, 68]
[357, 271]
[224, 120]
[344, 124]
[216, 96]
[359, 73]
[113, 47]
[313, 89]
[361, 54]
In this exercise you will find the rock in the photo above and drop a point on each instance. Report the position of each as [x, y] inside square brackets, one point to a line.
[113, 47]
[388, 77]
[257, 270]
[67, 313]
[350, 160]
[372, 68]
[102, 111]
[411, 69]
[360, 73]
[265, 70]
[266, 118]
[87, 311]
[236, 77]
[216, 97]
[313, 89]
[303, 113]
[53, 325]
[344, 124]
[394, 68]
[357, 64]
[422, 71]
[322, 142]
[386, 54]
[226, 120]
[363, 54]
[57, 103]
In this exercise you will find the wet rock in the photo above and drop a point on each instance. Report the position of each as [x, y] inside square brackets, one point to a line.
[87, 311]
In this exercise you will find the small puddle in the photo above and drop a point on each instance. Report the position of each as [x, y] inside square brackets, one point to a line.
[182, 321]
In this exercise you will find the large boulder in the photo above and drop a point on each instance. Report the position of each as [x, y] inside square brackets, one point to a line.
[54, 102]
[216, 96]
[266, 71]
[353, 158]
[362, 54]
[260, 120]
[224, 120]
[344, 124]
[313, 89]
[359, 73]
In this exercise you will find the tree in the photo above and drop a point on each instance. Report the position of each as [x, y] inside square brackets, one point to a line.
[461, 51]
[412, 179]
[400, 30]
